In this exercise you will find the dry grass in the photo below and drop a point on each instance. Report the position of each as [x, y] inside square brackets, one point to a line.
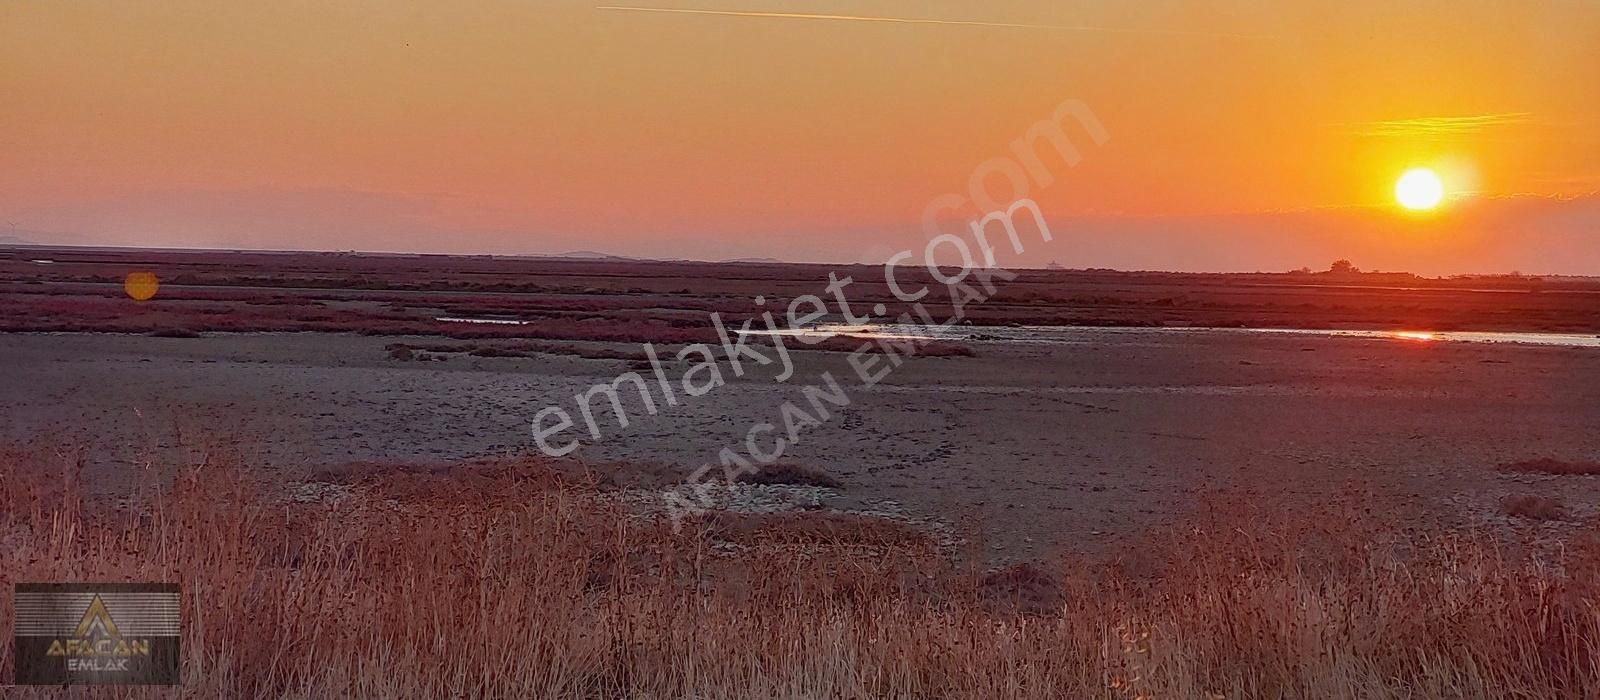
[1547, 465]
[515, 582]
[1533, 507]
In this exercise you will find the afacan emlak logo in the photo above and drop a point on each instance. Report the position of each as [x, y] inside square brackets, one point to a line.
[97, 633]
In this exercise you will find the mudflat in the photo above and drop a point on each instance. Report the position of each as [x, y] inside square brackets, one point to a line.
[1031, 446]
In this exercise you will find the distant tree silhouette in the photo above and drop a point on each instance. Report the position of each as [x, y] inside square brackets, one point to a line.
[1343, 267]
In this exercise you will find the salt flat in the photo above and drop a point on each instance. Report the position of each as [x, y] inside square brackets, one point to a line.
[1030, 446]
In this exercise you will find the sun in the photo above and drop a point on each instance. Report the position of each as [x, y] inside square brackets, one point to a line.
[1419, 189]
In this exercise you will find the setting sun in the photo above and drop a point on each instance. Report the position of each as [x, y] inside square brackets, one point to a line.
[1418, 189]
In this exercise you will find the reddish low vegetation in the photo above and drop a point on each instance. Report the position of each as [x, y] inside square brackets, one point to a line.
[669, 301]
[169, 317]
[517, 581]
[110, 312]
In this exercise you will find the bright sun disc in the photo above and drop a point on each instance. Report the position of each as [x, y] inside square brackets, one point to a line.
[1418, 189]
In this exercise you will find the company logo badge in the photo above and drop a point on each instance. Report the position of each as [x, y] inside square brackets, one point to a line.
[97, 633]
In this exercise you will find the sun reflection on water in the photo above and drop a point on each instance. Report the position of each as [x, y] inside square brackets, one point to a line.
[1416, 335]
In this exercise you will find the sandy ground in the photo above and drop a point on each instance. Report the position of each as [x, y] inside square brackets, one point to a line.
[1030, 446]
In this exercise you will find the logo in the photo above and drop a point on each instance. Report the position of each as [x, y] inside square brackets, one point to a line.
[103, 634]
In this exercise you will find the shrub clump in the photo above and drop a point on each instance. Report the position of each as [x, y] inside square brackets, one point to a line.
[173, 333]
[791, 475]
[1533, 507]
[492, 351]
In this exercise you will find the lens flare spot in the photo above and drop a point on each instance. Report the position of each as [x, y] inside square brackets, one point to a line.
[141, 286]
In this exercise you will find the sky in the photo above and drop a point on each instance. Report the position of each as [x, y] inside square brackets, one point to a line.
[1241, 134]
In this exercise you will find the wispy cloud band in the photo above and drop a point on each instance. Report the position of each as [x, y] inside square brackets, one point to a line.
[1443, 126]
[915, 20]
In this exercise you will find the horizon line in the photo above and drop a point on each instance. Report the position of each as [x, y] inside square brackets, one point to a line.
[597, 256]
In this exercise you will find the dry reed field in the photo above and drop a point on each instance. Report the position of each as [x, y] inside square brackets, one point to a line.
[517, 580]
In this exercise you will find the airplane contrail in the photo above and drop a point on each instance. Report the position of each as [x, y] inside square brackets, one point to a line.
[914, 20]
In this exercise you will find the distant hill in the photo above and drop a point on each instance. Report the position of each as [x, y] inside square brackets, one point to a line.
[590, 255]
[14, 240]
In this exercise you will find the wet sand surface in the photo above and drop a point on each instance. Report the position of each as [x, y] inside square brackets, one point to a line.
[1031, 446]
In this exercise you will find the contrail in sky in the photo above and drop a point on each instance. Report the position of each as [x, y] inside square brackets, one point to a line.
[915, 20]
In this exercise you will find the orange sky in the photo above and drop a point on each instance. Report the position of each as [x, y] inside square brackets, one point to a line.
[1247, 135]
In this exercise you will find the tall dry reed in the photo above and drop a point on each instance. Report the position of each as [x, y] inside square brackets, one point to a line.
[511, 582]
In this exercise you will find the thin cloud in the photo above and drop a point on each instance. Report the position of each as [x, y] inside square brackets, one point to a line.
[915, 20]
[1444, 126]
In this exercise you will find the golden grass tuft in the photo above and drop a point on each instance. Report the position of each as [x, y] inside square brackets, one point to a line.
[519, 583]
